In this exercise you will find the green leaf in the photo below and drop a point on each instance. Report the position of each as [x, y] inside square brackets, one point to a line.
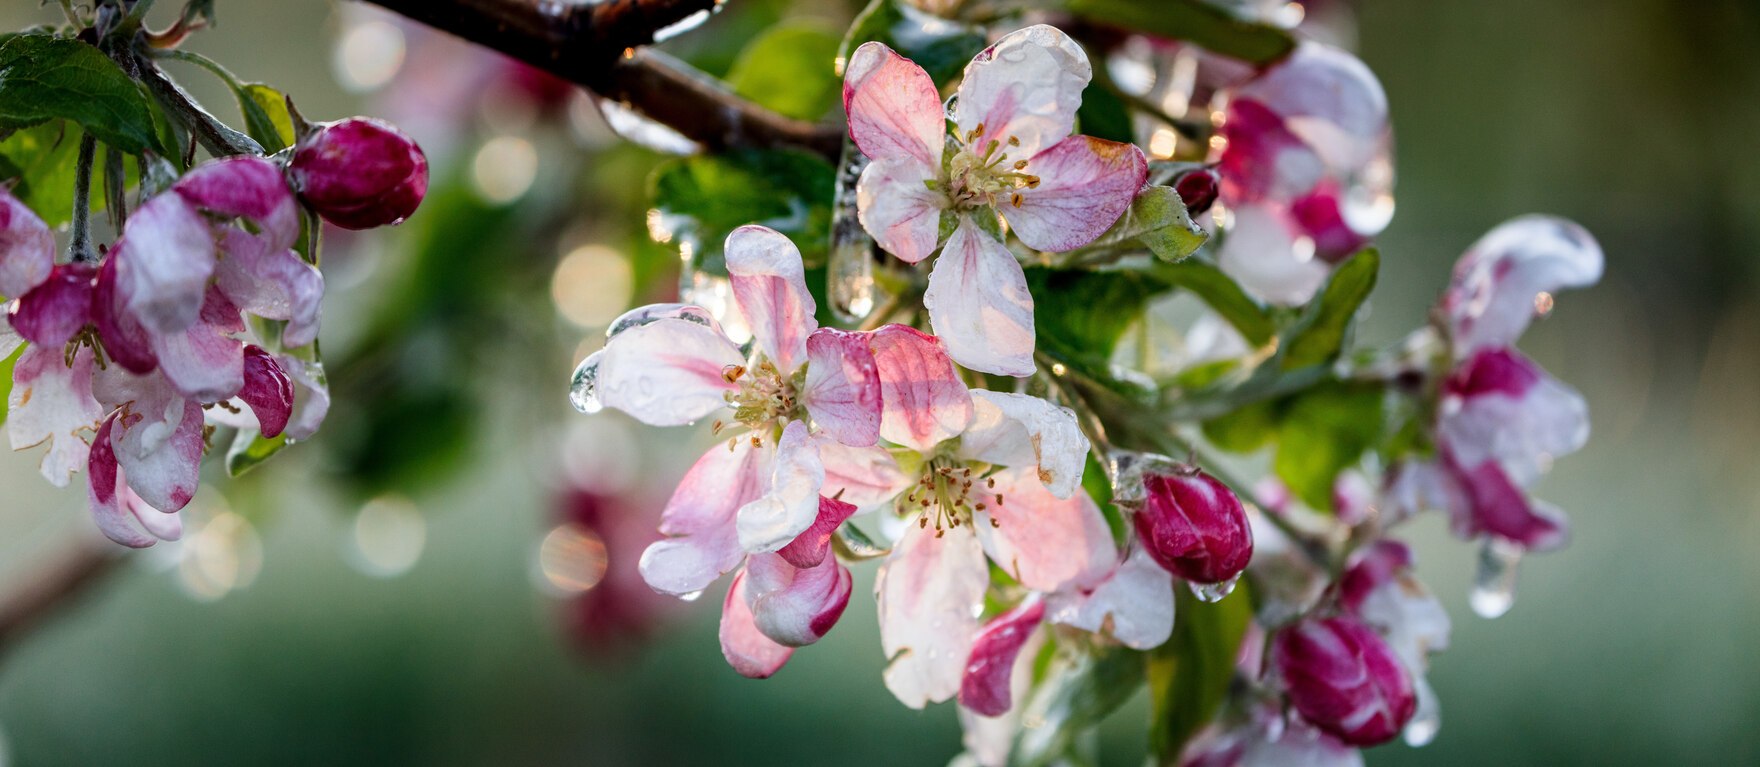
[265, 116]
[1321, 339]
[1079, 690]
[43, 78]
[1158, 219]
[789, 70]
[6, 379]
[1189, 676]
[1103, 115]
[43, 159]
[701, 199]
[1324, 431]
[1244, 430]
[1193, 21]
[1223, 294]
[249, 449]
[1079, 315]
[941, 47]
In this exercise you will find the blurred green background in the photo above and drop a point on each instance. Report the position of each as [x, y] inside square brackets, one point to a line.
[419, 634]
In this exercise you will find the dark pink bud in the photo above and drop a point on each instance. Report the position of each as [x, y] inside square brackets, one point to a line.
[1194, 526]
[1344, 679]
[360, 173]
[52, 313]
[267, 390]
[1197, 189]
[986, 687]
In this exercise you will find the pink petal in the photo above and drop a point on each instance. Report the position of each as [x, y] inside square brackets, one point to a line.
[924, 399]
[164, 261]
[53, 312]
[667, 372]
[127, 343]
[1262, 253]
[1134, 604]
[746, 648]
[1328, 98]
[1264, 161]
[152, 408]
[272, 284]
[796, 606]
[1501, 406]
[929, 591]
[1044, 542]
[790, 503]
[27, 247]
[311, 396]
[53, 403]
[268, 390]
[979, 305]
[166, 478]
[990, 739]
[1497, 506]
[985, 689]
[1495, 291]
[898, 209]
[843, 386]
[770, 285]
[1027, 86]
[1085, 184]
[251, 187]
[699, 519]
[204, 362]
[119, 513]
[809, 548]
[1027, 432]
[1320, 215]
[894, 110]
[866, 477]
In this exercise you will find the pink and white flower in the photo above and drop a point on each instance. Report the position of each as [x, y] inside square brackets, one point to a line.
[1379, 587]
[1011, 154]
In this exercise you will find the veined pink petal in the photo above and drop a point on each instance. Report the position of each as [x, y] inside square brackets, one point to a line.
[866, 477]
[1044, 542]
[127, 343]
[667, 372]
[268, 390]
[1027, 86]
[1496, 505]
[810, 548]
[979, 305]
[770, 285]
[923, 398]
[699, 519]
[203, 361]
[152, 409]
[897, 207]
[1495, 291]
[843, 386]
[1501, 406]
[1134, 603]
[53, 312]
[1036, 436]
[990, 739]
[790, 502]
[1263, 254]
[930, 590]
[272, 284]
[894, 110]
[985, 688]
[121, 514]
[1085, 184]
[796, 606]
[311, 396]
[166, 478]
[251, 187]
[164, 260]
[53, 403]
[27, 247]
[746, 648]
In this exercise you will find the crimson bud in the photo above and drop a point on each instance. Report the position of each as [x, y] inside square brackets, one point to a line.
[1341, 677]
[360, 173]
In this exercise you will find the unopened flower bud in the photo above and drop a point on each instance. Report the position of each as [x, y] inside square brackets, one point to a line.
[1342, 678]
[1197, 189]
[1194, 526]
[360, 173]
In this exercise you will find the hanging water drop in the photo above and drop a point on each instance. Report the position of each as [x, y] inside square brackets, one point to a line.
[1494, 583]
[645, 314]
[583, 389]
[850, 267]
[691, 597]
[1427, 719]
[1213, 592]
[951, 107]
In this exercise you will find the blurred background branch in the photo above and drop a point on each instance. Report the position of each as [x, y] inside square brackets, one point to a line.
[51, 584]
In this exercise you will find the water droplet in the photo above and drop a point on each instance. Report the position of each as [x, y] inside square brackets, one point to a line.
[850, 282]
[643, 315]
[1213, 592]
[583, 390]
[641, 131]
[951, 106]
[1427, 719]
[691, 597]
[715, 294]
[1494, 584]
[683, 25]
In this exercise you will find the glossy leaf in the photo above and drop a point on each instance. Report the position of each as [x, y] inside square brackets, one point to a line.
[1190, 675]
[789, 70]
[701, 199]
[1078, 691]
[1200, 23]
[43, 159]
[1158, 219]
[941, 47]
[249, 449]
[1222, 294]
[43, 78]
[1322, 432]
[1322, 338]
[265, 115]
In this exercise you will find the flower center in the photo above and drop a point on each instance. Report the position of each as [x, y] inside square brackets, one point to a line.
[765, 397]
[980, 173]
[88, 336]
[946, 494]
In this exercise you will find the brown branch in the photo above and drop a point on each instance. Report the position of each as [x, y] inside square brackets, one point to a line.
[599, 46]
[53, 585]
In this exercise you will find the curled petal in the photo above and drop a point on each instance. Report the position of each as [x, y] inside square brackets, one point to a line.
[272, 284]
[164, 260]
[1085, 184]
[796, 606]
[924, 399]
[896, 206]
[121, 514]
[1264, 161]
[1018, 430]
[268, 390]
[1134, 604]
[699, 519]
[203, 361]
[1328, 98]
[791, 502]
[770, 285]
[251, 187]
[166, 478]
[127, 342]
[53, 312]
[979, 304]
[843, 386]
[985, 688]
[667, 372]
[1497, 286]
[1045, 542]
[153, 408]
[27, 247]
[311, 396]
[929, 591]
[894, 110]
[746, 648]
[1027, 87]
[809, 548]
[990, 739]
[53, 403]
[1495, 505]
[1501, 406]
[865, 477]
[1343, 679]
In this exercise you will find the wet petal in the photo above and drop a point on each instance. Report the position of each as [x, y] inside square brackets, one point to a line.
[699, 519]
[27, 247]
[51, 402]
[1085, 184]
[251, 187]
[268, 390]
[897, 207]
[746, 648]
[1027, 86]
[1496, 288]
[113, 505]
[979, 305]
[866, 477]
[987, 685]
[923, 397]
[894, 109]
[1264, 161]
[311, 396]
[796, 606]
[272, 284]
[1134, 604]
[204, 362]
[53, 312]
[164, 261]
[667, 372]
[1045, 542]
[153, 408]
[1496, 505]
[1027, 432]
[770, 285]
[843, 386]
[930, 591]
[166, 477]
[990, 739]
[809, 548]
[1263, 254]
[1328, 98]
[1501, 406]
[790, 503]
[126, 341]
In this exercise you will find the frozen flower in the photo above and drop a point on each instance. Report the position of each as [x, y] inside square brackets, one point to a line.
[359, 173]
[1342, 678]
[1379, 587]
[1511, 276]
[1266, 739]
[1011, 153]
[1194, 526]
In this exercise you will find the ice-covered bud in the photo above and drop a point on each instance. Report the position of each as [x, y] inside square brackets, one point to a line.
[1197, 189]
[360, 173]
[1344, 679]
[1194, 526]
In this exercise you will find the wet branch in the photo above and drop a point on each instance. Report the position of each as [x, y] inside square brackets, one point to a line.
[599, 46]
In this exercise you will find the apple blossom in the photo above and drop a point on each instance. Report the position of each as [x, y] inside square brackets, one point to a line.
[359, 173]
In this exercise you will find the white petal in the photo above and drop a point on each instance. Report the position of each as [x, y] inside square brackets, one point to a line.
[930, 592]
[865, 477]
[898, 209]
[770, 285]
[1261, 253]
[1493, 294]
[979, 304]
[53, 403]
[1027, 86]
[791, 503]
[1137, 602]
[1028, 432]
[667, 372]
[1046, 543]
[165, 259]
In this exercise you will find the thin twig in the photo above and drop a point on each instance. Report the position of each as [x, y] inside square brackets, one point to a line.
[53, 585]
[214, 136]
[79, 246]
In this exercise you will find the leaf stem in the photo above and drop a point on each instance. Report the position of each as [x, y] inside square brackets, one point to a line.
[79, 248]
[213, 135]
[115, 179]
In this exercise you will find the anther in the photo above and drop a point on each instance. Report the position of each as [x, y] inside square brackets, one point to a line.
[981, 506]
[1020, 165]
[1012, 141]
[990, 482]
[756, 442]
[994, 523]
[922, 522]
[732, 373]
[1016, 199]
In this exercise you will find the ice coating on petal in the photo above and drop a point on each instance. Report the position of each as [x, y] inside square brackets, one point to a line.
[164, 261]
[1134, 603]
[52, 403]
[930, 591]
[702, 541]
[166, 477]
[251, 187]
[790, 503]
[268, 390]
[1263, 160]
[1497, 285]
[1496, 505]
[796, 606]
[867, 477]
[894, 110]
[1085, 184]
[1268, 259]
[746, 648]
[1329, 98]
[1344, 679]
[810, 547]
[583, 386]
[924, 399]
[1027, 86]
[843, 386]
[769, 283]
[1044, 542]
[204, 362]
[1500, 406]
[643, 315]
[272, 284]
[979, 304]
[986, 688]
[54, 311]
[1017, 430]
[311, 396]
[897, 207]
[27, 247]
[119, 513]
[1195, 526]
[667, 372]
